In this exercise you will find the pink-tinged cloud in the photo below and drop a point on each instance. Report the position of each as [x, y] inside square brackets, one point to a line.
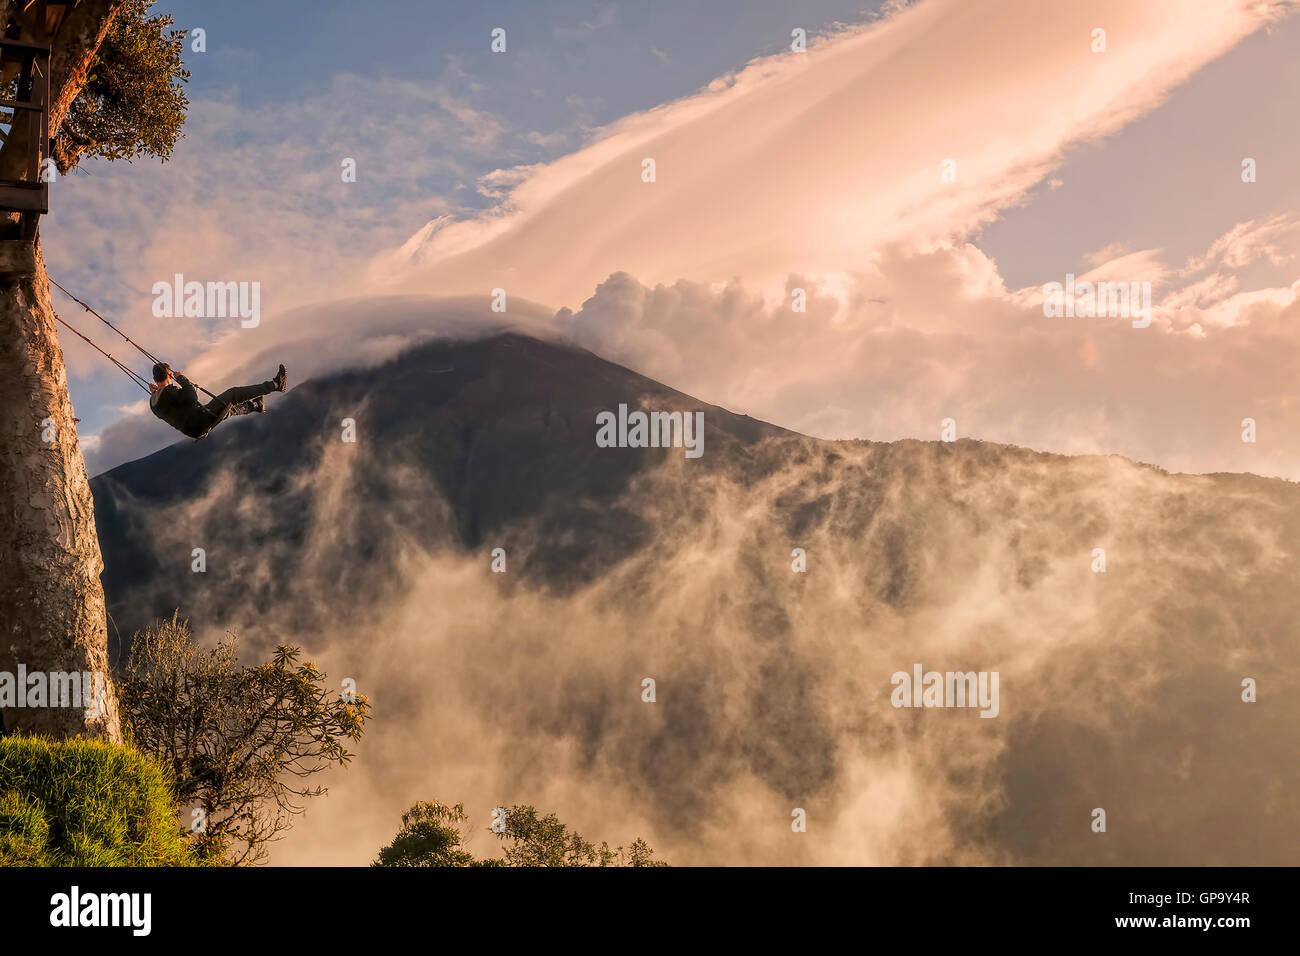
[934, 335]
[807, 162]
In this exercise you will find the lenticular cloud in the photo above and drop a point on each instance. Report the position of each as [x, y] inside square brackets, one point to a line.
[917, 128]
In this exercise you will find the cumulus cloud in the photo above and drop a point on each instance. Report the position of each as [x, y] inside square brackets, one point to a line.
[930, 336]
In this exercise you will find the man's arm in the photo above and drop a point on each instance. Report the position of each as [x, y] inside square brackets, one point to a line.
[187, 388]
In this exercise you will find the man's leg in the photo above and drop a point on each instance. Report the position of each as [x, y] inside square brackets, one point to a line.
[221, 406]
[249, 407]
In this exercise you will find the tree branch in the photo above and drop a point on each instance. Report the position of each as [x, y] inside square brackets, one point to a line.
[74, 50]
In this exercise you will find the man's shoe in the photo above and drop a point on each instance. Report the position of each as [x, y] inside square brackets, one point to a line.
[281, 379]
[259, 404]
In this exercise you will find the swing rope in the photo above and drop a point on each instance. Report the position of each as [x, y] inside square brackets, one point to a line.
[139, 380]
[134, 377]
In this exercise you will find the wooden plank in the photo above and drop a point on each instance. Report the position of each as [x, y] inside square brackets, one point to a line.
[25, 197]
[19, 45]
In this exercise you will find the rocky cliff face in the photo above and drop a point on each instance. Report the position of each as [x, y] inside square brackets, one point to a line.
[504, 589]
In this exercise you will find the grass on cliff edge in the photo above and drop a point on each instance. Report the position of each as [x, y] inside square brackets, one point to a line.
[86, 803]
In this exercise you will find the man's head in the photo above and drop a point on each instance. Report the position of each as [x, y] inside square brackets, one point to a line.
[162, 373]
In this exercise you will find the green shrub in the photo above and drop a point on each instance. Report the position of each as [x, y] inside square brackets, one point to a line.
[431, 836]
[243, 742]
[86, 803]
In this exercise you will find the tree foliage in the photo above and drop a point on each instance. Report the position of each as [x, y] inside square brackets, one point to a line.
[242, 742]
[431, 835]
[133, 103]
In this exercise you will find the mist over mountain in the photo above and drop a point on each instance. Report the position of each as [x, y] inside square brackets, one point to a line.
[1119, 689]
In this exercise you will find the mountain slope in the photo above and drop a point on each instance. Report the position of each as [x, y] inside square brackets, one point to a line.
[503, 429]
[1121, 688]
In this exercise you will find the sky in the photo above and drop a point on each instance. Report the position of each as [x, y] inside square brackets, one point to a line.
[775, 171]
[780, 176]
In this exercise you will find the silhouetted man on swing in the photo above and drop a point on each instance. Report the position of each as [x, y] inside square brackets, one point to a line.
[173, 399]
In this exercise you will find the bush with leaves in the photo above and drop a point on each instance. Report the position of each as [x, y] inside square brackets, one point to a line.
[431, 836]
[240, 741]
